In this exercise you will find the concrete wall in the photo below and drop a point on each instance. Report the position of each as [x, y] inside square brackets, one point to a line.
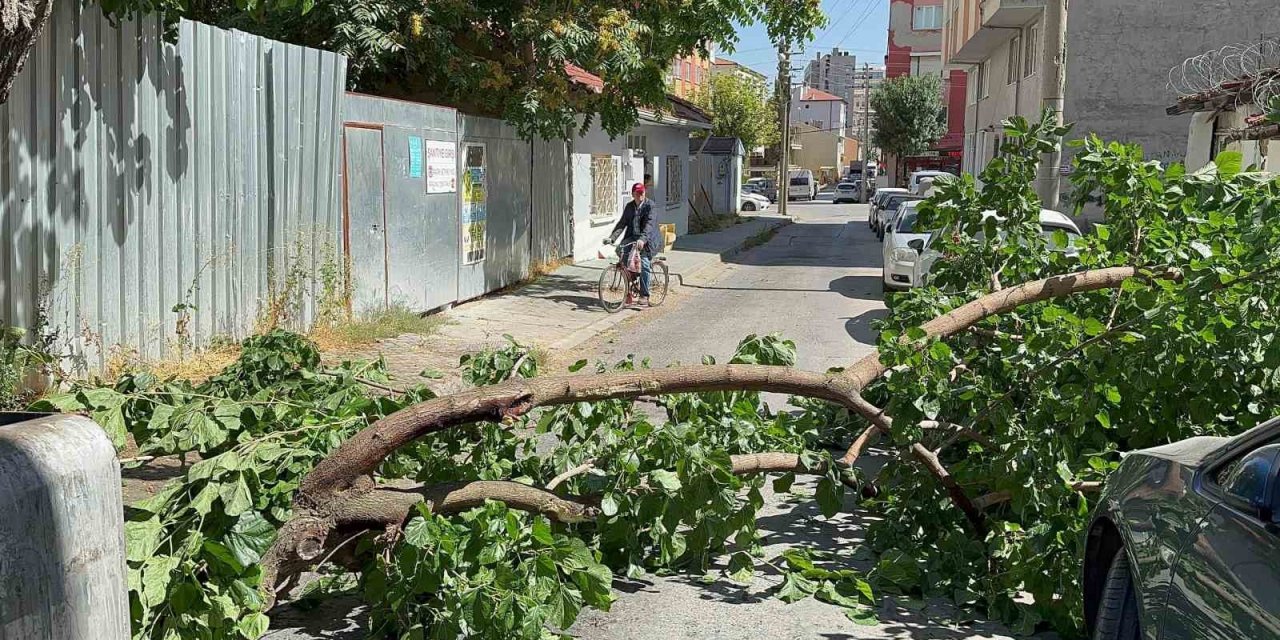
[1204, 140]
[1119, 53]
[662, 141]
[831, 113]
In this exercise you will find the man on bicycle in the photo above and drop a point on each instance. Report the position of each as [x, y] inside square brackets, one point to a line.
[639, 226]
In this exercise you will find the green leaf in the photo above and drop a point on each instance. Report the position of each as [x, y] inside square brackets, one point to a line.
[236, 498]
[1103, 419]
[254, 625]
[668, 480]
[830, 496]
[1203, 249]
[782, 484]
[1094, 326]
[1229, 163]
[898, 568]
[577, 366]
[542, 531]
[608, 505]
[741, 567]
[250, 538]
[796, 588]
[112, 423]
[940, 351]
[157, 572]
[219, 552]
[864, 616]
[143, 538]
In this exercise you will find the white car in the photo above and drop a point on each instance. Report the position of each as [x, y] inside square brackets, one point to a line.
[847, 192]
[899, 257]
[752, 202]
[1050, 223]
[914, 184]
[877, 205]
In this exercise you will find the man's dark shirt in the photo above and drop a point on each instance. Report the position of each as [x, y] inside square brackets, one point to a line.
[639, 223]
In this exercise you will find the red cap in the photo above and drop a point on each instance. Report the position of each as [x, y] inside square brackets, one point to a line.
[638, 188]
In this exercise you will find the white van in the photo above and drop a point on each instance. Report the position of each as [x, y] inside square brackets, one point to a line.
[802, 186]
[914, 184]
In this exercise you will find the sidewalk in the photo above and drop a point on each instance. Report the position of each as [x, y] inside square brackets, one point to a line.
[555, 312]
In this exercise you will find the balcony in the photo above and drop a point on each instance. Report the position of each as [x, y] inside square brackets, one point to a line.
[1000, 21]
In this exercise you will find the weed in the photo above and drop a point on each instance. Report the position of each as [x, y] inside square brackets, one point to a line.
[763, 236]
[374, 325]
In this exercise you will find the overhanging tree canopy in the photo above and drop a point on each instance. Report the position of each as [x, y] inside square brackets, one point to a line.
[740, 109]
[908, 114]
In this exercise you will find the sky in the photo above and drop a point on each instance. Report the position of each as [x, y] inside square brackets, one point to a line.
[857, 26]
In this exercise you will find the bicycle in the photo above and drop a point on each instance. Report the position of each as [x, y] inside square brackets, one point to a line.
[617, 284]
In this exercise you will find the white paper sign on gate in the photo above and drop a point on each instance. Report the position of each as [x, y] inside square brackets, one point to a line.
[442, 166]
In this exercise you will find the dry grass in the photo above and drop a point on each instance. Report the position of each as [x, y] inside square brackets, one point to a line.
[196, 366]
[373, 326]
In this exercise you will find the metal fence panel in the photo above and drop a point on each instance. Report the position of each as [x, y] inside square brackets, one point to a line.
[552, 221]
[139, 176]
[507, 207]
[421, 248]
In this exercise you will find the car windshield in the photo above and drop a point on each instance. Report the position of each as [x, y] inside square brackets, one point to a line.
[846, 186]
[1050, 233]
[907, 221]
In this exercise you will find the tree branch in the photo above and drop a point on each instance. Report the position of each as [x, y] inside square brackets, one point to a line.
[571, 473]
[362, 453]
[866, 370]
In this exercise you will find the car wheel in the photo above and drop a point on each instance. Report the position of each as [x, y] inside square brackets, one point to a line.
[1118, 609]
[748, 206]
[884, 288]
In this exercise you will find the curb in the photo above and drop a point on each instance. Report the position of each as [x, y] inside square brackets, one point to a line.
[720, 258]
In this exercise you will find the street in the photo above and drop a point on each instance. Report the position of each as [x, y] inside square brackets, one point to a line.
[817, 283]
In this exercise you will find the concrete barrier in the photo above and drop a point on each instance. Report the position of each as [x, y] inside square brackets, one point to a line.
[62, 550]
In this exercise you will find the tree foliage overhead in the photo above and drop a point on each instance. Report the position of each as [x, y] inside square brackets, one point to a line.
[507, 58]
[740, 108]
[908, 114]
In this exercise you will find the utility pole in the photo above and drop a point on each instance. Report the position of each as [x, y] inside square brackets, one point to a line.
[1054, 90]
[784, 117]
[866, 128]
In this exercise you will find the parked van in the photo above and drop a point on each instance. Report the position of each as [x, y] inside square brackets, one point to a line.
[803, 185]
[914, 184]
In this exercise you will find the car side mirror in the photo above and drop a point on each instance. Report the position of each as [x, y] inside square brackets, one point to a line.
[1255, 482]
[917, 244]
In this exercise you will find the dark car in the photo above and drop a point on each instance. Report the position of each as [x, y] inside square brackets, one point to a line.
[763, 186]
[1186, 542]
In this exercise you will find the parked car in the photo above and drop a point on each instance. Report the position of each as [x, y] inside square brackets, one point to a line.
[763, 186]
[899, 258]
[1050, 223]
[890, 209]
[913, 185]
[877, 204]
[848, 191]
[803, 186]
[752, 202]
[1185, 542]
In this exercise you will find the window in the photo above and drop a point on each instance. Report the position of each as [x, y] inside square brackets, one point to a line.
[675, 181]
[984, 79]
[1015, 59]
[604, 188]
[638, 144]
[1031, 56]
[927, 18]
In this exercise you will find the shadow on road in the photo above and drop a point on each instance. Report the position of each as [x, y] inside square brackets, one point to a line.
[861, 329]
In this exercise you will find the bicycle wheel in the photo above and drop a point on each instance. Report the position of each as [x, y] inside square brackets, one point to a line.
[613, 288]
[659, 282]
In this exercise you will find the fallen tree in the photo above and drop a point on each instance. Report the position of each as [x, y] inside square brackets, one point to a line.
[1003, 410]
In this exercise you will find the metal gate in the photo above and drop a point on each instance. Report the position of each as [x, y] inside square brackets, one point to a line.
[552, 230]
[401, 220]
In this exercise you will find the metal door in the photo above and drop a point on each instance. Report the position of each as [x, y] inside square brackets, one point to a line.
[365, 223]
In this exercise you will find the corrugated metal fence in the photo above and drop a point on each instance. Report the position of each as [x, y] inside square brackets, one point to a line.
[155, 194]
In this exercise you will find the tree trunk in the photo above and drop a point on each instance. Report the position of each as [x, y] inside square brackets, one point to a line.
[21, 22]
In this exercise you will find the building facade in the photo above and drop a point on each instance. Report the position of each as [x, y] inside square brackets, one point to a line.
[819, 123]
[689, 74]
[1001, 44]
[861, 116]
[725, 66]
[832, 72]
[915, 48]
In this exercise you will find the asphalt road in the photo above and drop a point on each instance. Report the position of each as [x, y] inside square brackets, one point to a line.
[817, 283]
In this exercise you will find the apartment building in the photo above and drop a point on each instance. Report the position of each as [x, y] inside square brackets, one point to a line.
[832, 72]
[1000, 43]
[689, 74]
[915, 48]
[725, 66]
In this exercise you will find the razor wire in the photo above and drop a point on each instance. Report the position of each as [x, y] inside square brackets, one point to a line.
[1256, 63]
